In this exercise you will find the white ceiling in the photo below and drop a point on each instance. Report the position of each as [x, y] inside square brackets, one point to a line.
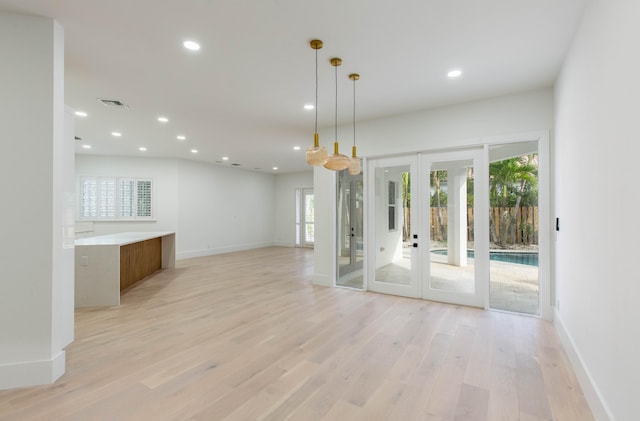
[242, 94]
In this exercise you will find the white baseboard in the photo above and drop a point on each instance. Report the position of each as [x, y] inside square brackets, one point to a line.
[321, 280]
[32, 373]
[590, 390]
[221, 250]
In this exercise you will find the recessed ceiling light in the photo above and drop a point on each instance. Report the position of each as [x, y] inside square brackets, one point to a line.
[296, 148]
[275, 168]
[81, 114]
[191, 45]
[194, 151]
[142, 148]
[309, 107]
[225, 158]
[163, 119]
[454, 73]
[86, 146]
[116, 134]
[181, 137]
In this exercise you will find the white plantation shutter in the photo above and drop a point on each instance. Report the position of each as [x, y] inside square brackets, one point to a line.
[115, 198]
[127, 198]
[144, 199]
[88, 197]
[107, 198]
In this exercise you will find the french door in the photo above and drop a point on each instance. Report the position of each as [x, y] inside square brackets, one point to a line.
[426, 211]
[392, 219]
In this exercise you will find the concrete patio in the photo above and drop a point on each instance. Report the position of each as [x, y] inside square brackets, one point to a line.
[513, 287]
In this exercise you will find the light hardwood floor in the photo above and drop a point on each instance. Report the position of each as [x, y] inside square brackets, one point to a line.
[246, 336]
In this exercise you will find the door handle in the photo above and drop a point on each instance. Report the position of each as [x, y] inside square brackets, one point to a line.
[415, 245]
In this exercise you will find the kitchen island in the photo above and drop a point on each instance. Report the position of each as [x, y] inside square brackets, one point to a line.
[106, 265]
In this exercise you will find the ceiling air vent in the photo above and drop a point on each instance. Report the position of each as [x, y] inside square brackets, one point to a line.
[116, 103]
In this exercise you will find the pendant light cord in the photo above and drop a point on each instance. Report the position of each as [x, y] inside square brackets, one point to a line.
[336, 114]
[354, 111]
[316, 123]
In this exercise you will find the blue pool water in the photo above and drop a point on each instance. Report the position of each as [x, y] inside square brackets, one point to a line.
[523, 258]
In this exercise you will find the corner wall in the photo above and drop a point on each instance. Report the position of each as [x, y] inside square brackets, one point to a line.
[596, 167]
[36, 320]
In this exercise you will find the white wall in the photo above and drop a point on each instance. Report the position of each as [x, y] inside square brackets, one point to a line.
[285, 211]
[456, 125]
[596, 195]
[34, 322]
[446, 127]
[213, 209]
[223, 209]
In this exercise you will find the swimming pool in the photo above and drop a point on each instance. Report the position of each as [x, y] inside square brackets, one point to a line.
[520, 257]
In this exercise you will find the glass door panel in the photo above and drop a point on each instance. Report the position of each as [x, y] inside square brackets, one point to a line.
[455, 264]
[451, 229]
[393, 248]
[350, 203]
[514, 222]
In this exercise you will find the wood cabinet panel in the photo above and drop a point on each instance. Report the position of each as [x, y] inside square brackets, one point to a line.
[139, 260]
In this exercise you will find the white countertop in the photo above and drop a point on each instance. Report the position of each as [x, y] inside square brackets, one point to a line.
[120, 239]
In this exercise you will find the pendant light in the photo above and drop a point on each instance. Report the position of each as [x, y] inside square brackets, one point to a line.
[354, 164]
[316, 154]
[337, 161]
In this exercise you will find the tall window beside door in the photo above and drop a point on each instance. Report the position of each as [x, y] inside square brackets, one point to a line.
[392, 205]
[115, 198]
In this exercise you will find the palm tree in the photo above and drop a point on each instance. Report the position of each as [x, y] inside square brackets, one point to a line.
[507, 178]
[406, 205]
[437, 199]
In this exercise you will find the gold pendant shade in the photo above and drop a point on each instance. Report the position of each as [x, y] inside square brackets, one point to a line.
[316, 154]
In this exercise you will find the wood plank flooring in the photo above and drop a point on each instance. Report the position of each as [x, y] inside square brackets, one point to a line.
[246, 336]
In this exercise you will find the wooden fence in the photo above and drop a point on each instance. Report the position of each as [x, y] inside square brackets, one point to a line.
[504, 229]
